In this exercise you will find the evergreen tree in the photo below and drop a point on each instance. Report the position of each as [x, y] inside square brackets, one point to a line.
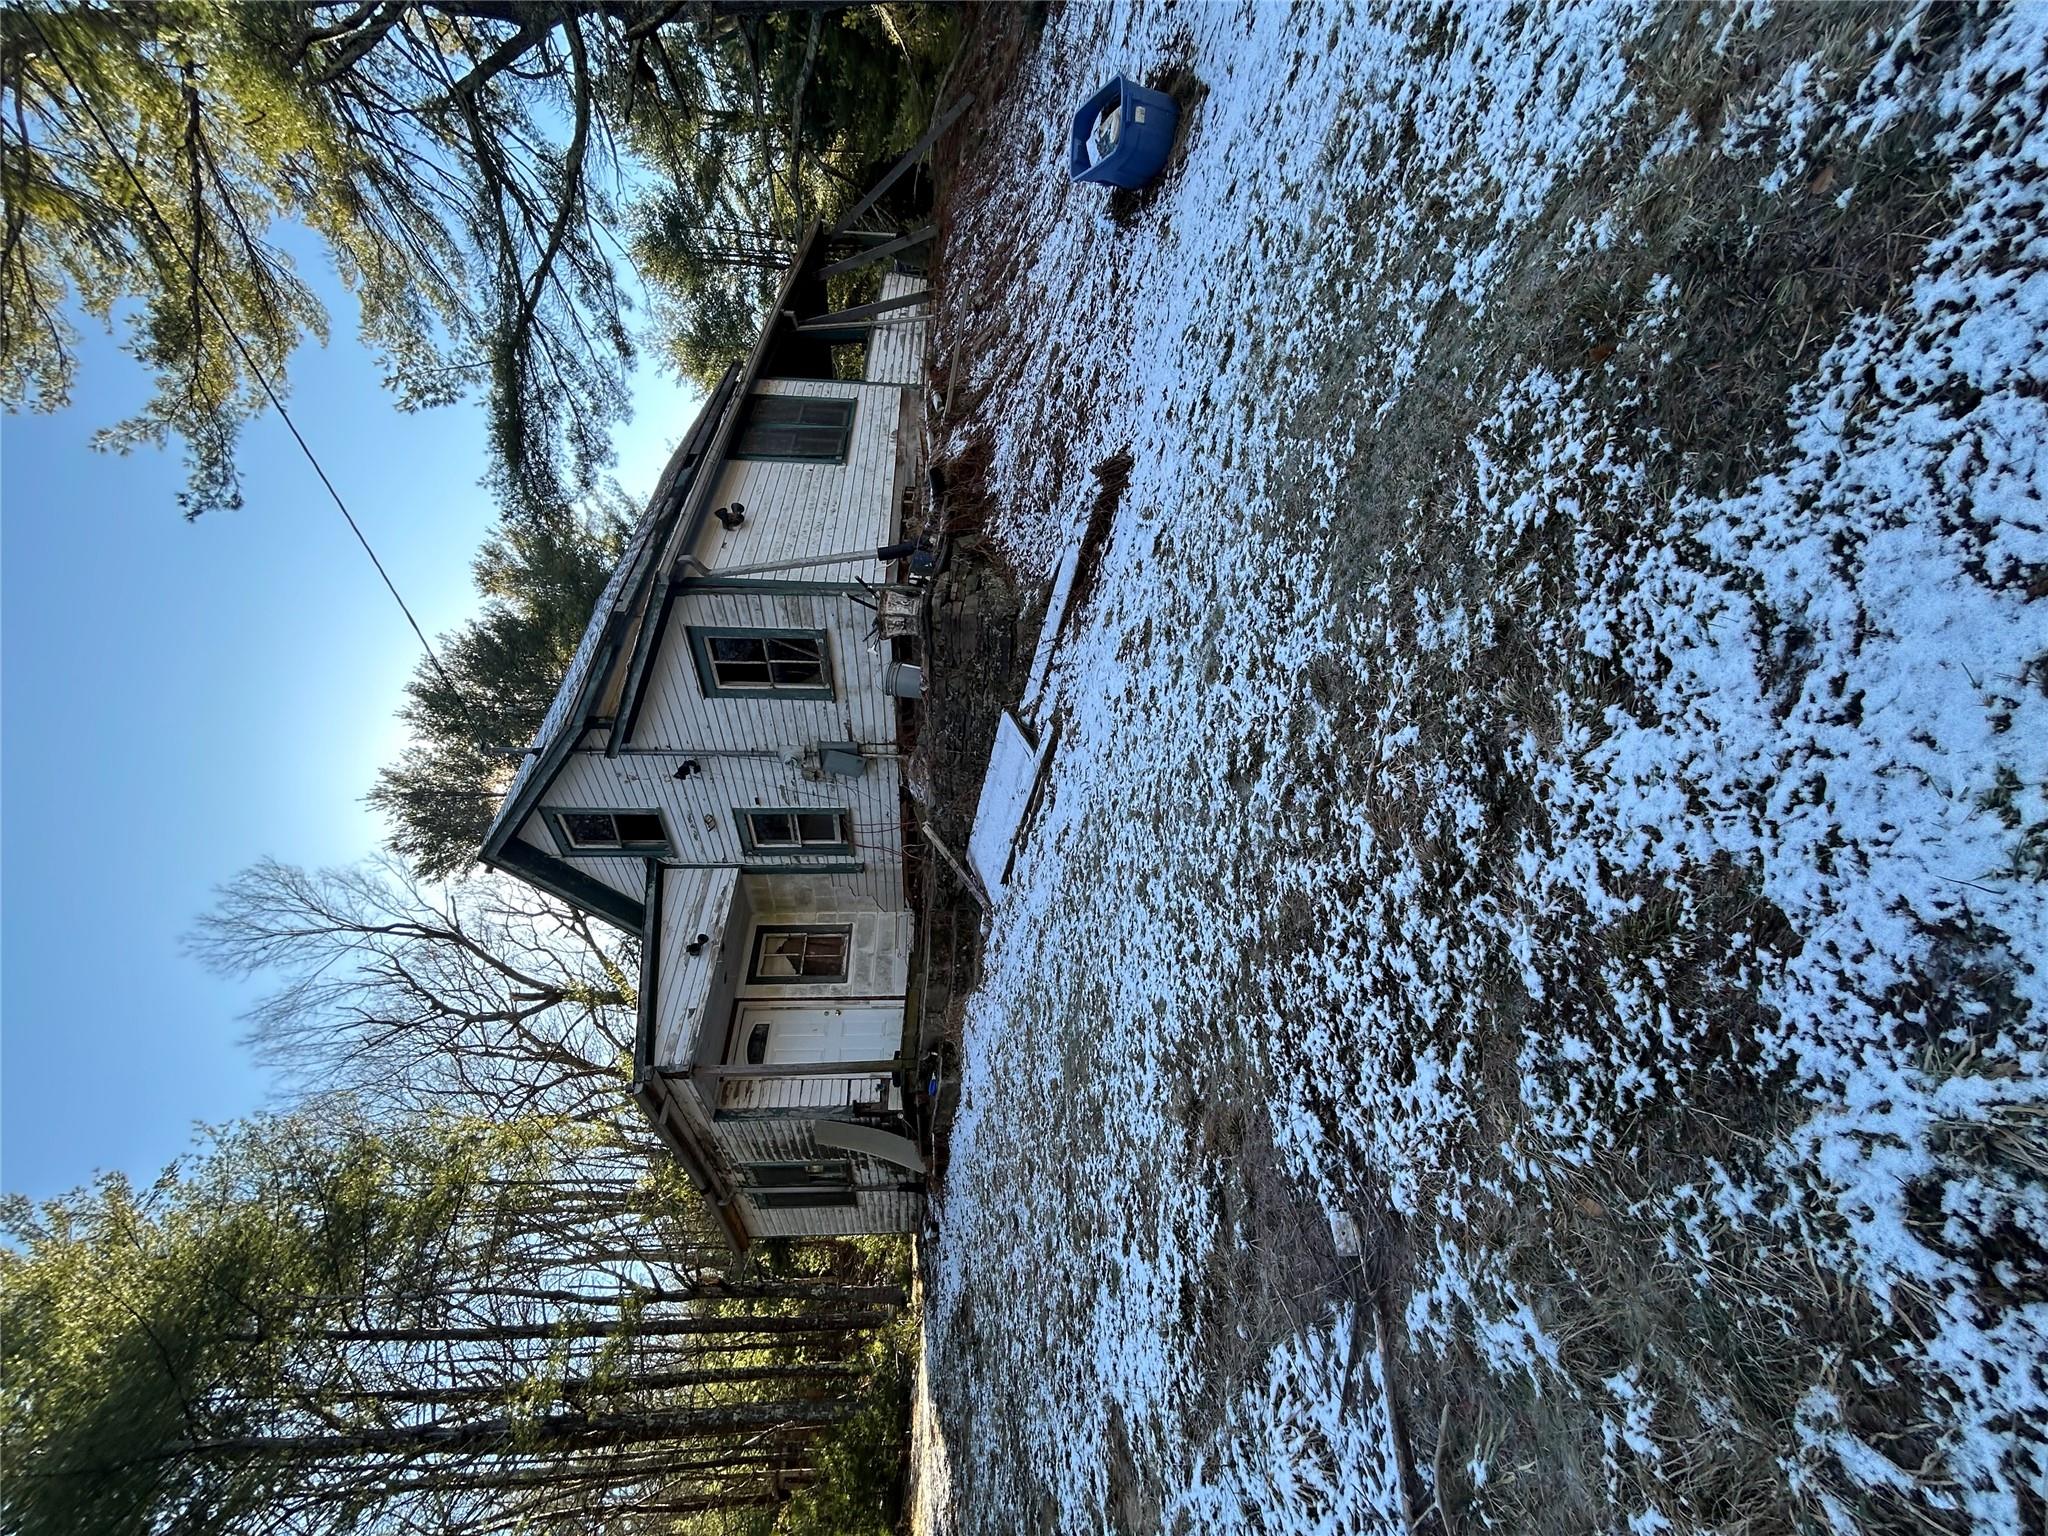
[471, 166]
[473, 712]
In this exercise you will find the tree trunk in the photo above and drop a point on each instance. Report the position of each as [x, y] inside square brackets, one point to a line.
[654, 1327]
[649, 1381]
[550, 1432]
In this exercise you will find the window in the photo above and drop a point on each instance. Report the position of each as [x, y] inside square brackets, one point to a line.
[774, 1186]
[788, 1199]
[784, 954]
[634, 832]
[794, 831]
[763, 663]
[795, 427]
[824, 1173]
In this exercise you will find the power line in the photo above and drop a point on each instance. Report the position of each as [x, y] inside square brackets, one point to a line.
[255, 370]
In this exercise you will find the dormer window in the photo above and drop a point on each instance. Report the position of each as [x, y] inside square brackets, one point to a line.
[639, 833]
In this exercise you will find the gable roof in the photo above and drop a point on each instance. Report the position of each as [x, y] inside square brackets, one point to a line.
[623, 627]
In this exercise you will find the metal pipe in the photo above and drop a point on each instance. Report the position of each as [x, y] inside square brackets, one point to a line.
[807, 562]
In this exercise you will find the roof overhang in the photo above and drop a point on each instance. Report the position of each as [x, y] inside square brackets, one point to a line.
[656, 1095]
[626, 627]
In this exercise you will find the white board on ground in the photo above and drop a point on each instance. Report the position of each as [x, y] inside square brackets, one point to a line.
[1005, 794]
[1031, 707]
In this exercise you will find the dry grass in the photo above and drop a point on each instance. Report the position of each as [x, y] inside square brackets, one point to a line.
[1726, 1340]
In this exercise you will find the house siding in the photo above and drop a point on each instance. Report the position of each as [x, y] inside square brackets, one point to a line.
[896, 345]
[798, 510]
[675, 714]
[693, 901]
[879, 1205]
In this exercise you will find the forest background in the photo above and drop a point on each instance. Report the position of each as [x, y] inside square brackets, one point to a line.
[447, 1284]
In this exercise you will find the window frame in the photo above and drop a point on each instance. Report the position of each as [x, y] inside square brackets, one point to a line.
[701, 636]
[848, 404]
[765, 931]
[744, 816]
[824, 1182]
[556, 815]
[820, 1198]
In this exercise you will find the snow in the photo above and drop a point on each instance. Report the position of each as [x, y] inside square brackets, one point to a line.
[1273, 835]
[1013, 770]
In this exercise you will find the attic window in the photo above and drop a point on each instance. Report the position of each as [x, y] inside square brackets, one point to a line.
[801, 427]
[635, 832]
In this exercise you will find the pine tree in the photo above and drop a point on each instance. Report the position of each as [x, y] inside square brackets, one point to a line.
[320, 1323]
[473, 711]
[472, 168]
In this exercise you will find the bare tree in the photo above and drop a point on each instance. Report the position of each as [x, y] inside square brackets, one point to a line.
[480, 996]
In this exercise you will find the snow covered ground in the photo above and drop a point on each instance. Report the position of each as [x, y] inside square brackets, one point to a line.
[1554, 765]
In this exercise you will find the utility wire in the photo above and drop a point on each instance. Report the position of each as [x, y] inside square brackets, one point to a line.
[254, 368]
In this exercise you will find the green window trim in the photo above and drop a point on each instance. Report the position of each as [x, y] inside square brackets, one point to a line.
[801, 837]
[796, 429]
[803, 1199]
[814, 1173]
[801, 945]
[575, 835]
[755, 653]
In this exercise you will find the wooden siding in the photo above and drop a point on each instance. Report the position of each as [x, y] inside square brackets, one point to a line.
[693, 901]
[880, 1206]
[873, 1092]
[896, 344]
[675, 714]
[798, 510]
[698, 812]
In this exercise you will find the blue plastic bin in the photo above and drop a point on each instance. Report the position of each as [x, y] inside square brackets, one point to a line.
[1144, 138]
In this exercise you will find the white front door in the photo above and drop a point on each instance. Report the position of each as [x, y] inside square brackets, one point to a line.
[802, 1033]
[793, 1032]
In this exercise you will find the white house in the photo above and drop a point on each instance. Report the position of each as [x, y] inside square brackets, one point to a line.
[720, 774]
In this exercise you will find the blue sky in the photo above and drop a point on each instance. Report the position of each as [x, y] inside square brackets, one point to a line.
[178, 700]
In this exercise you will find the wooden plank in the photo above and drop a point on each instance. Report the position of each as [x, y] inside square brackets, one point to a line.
[876, 253]
[805, 1068]
[911, 156]
[840, 317]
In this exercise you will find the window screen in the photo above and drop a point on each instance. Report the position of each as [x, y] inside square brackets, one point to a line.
[796, 427]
